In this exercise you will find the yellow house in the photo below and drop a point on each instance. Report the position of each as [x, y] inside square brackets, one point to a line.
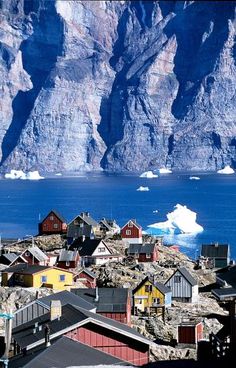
[37, 276]
[148, 295]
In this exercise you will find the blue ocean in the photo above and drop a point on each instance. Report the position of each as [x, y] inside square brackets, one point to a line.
[24, 203]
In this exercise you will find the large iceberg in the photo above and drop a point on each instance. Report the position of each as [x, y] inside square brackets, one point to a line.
[143, 189]
[148, 174]
[19, 174]
[226, 170]
[180, 221]
[163, 170]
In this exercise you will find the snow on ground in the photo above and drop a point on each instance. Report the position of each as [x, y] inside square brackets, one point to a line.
[143, 189]
[226, 170]
[194, 178]
[163, 170]
[148, 174]
[19, 174]
[180, 221]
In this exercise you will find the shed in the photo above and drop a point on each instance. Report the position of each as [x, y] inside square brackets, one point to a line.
[217, 255]
[190, 332]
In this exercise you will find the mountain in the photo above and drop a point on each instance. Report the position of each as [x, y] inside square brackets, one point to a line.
[117, 85]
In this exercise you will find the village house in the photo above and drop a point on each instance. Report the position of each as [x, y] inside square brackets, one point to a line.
[68, 259]
[114, 303]
[33, 256]
[108, 227]
[87, 277]
[131, 232]
[226, 276]
[144, 252]
[91, 329]
[190, 332]
[151, 297]
[53, 223]
[215, 255]
[41, 306]
[82, 225]
[94, 251]
[8, 258]
[183, 286]
[37, 276]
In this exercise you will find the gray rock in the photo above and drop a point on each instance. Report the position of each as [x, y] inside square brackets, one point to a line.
[120, 86]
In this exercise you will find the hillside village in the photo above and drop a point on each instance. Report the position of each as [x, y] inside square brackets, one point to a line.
[109, 295]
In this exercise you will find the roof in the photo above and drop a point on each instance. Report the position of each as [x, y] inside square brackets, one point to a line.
[90, 273]
[65, 297]
[11, 257]
[71, 318]
[67, 255]
[215, 250]
[26, 268]
[65, 352]
[141, 249]
[57, 214]
[110, 299]
[225, 293]
[36, 253]
[86, 218]
[161, 287]
[228, 275]
[186, 274]
[88, 246]
[134, 222]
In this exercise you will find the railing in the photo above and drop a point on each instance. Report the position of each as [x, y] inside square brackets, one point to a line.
[220, 348]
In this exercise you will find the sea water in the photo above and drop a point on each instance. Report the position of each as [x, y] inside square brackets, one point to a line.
[24, 203]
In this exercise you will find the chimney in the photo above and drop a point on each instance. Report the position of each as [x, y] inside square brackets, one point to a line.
[97, 295]
[47, 335]
[87, 214]
[55, 310]
[216, 245]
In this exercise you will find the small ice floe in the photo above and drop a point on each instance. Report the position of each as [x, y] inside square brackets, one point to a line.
[226, 170]
[194, 178]
[155, 211]
[163, 170]
[58, 174]
[19, 174]
[143, 189]
[180, 221]
[148, 174]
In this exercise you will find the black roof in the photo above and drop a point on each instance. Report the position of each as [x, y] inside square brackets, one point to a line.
[163, 289]
[57, 214]
[224, 293]
[141, 248]
[86, 247]
[26, 268]
[66, 297]
[228, 274]
[110, 299]
[215, 250]
[10, 257]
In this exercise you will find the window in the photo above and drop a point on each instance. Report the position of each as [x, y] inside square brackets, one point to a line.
[130, 224]
[67, 263]
[148, 255]
[101, 249]
[128, 232]
[43, 279]
[156, 300]
[62, 278]
[148, 288]
[55, 226]
[177, 279]
[51, 218]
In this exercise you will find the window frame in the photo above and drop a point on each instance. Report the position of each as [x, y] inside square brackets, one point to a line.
[177, 279]
[44, 277]
[128, 232]
[63, 276]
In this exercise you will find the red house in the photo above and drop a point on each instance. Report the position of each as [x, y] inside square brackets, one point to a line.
[144, 252]
[87, 277]
[53, 223]
[33, 256]
[132, 232]
[68, 259]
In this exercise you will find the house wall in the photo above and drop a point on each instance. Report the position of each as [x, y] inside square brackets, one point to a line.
[52, 226]
[180, 290]
[143, 257]
[190, 334]
[65, 265]
[136, 232]
[87, 280]
[101, 250]
[195, 294]
[53, 279]
[144, 299]
[113, 343]
[28, 313]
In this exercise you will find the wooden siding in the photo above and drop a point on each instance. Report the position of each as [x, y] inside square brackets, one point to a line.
[144, 299]
[190, 334]
[135, 232]
[28, 314]
[113, 343]
[182, 289]
[120, 317]
[52, 225]
[87, 280]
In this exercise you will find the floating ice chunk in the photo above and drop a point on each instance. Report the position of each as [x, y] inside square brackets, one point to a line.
[148, 174]
[180, 221]
[226, 170]
[143, 189]
[165, 171]
[194, 178]
[155, 211]
[58, 174]
[19, 174]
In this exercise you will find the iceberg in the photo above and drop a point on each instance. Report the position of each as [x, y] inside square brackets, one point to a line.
[181, 221]
[148, 174]
[19, 174]
[58, 174]
[143, 189]
[194, 178]
[226, 170]
[165, 171]
[155, 211]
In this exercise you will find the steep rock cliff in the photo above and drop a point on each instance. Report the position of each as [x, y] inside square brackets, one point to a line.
[117, 85]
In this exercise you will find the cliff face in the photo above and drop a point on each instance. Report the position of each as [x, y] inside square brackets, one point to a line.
[117, 85]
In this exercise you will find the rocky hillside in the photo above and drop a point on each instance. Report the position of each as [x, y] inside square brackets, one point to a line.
[117, 85]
